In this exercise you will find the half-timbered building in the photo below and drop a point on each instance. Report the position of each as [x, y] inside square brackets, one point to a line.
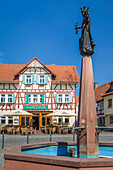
[39, 89]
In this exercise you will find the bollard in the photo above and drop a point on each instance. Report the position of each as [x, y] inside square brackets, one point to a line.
[27, 137]
[2, 139]
[50, 137]
[73, 137]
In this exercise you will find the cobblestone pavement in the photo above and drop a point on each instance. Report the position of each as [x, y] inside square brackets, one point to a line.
[19, 140]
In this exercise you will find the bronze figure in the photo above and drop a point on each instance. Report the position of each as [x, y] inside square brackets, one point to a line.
[86, 44]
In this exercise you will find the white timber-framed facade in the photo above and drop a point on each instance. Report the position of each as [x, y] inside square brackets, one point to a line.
[39, 89]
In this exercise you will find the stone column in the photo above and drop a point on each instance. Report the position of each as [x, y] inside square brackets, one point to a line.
[87, 138]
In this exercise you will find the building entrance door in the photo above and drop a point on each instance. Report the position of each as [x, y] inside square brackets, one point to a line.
[36, 122]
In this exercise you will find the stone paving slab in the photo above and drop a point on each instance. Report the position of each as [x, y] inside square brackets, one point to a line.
[20, 140]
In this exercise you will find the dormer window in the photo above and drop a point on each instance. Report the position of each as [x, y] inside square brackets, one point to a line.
[28, 79]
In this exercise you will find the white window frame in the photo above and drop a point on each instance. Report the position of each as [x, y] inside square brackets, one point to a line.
[35, 97]
[39, 99]
[28, 80]
[60, 98]
[30, 98]
[42, 80]
[3, 118]
[3, 98]
[64, 98]
[67, 98]
[6, 98]
[11, 97]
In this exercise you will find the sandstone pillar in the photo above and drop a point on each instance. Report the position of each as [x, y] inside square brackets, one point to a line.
[88, 138]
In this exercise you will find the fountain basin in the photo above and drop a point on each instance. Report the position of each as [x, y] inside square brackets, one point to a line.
[16, 159]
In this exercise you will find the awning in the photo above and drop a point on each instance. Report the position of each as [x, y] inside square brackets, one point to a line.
[62, 113]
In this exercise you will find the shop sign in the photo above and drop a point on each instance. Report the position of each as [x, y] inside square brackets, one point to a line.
[35, 107]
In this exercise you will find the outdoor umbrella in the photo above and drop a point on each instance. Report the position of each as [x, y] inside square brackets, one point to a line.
[18, 112]
[62, 113]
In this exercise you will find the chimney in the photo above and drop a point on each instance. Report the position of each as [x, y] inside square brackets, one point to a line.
[95, 85]
[53, 64]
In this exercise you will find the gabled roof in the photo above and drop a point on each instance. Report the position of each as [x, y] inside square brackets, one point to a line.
[77, 100]
[64, 73]
[7, 72]
[100, 91]
[30, 62]
[61, 73]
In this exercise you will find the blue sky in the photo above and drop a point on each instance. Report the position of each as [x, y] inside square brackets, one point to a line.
[45, 29]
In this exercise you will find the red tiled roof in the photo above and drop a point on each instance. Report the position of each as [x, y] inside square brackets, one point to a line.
[77, 100]
[99, 91]
[7, 71]
[63, 73]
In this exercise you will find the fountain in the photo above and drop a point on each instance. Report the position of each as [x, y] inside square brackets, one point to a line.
[55, 155]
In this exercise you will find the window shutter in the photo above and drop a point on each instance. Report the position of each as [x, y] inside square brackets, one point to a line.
[23, 78]
[43, 98]
[27, 98]
[13, 98]
[70, 98]
[37, 79]
[46, 79]
[56, 98]
[33, 79]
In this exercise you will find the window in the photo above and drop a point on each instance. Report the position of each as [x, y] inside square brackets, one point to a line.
[23, 121]
[3, 120]
[43, 121]
[111, 119]
[40, 98]
[29, 98]
[63, 98]
[48, 120]
[10, 98]
[28, 79]
[59, 121]
[101, 105]
[10, 120]
[60, 98]
[27, 121]
[2, 98]
[67, 98]
[109, 103]
[35, 98]
[66, 121]
[42, 79]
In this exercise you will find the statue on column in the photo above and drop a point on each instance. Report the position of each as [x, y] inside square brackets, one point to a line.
[86, 44]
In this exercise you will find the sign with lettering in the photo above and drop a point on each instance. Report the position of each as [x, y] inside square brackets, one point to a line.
[35, 107]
